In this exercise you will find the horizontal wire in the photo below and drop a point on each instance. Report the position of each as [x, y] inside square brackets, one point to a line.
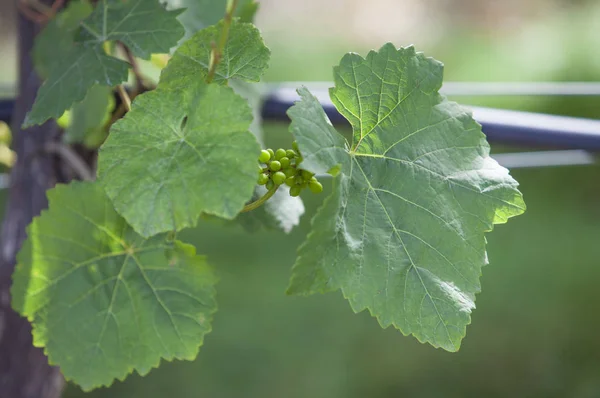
[482, 89]
[518, 160]
[499, 125]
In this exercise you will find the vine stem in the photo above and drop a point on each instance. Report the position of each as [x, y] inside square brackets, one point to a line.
[259, 202]
[217, 52]
[71, 157]
[37, 11]
[139, 78]
[124, 97]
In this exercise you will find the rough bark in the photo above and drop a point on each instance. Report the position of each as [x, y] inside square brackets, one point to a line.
[24, 369]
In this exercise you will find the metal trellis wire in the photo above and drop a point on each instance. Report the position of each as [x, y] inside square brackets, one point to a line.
[573, 141]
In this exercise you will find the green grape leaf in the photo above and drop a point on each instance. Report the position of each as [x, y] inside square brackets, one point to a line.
[90, 115]
[199, 14]
[245, 57]
[402, 233]
[102, 300]
[179, 154]
[57, 38]
[68, 83]
[144, 26]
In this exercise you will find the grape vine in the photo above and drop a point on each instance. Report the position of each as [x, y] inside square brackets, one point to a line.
[104, 280]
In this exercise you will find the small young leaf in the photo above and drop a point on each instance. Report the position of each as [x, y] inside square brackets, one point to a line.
[89, 116]
[102, 300]
[69, 81]
[402, 233]
[177, 155]
[143, 25]
[58, 37]
[245, 57]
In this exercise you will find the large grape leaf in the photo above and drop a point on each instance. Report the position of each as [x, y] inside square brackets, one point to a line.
[179, 154]
[245, 57]
[143, 25]
[402, 234]
[102, 300]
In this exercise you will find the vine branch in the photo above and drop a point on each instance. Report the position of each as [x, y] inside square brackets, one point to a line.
[217, 51]
[38, 12]
[135, 68]
[126, 101]
[67, 154]
[259, 202]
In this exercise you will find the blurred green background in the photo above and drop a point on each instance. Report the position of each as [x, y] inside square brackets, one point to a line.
[534, 332]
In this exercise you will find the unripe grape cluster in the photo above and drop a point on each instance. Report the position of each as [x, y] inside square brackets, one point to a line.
[283, 167]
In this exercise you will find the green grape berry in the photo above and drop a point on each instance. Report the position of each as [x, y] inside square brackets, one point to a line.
[278, 178]
[279, 153]
[270, 185]
[295, 191]
[290, 153]
[290, 181]
[275, 165]
[285, 162]
[307, 175]
[313, 179]
[264, 157]
[289, 172]
[263, 179]
[271, 153]
[315, 187]
[259, 169]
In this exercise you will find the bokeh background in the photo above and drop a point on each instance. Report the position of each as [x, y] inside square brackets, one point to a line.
[535, 330]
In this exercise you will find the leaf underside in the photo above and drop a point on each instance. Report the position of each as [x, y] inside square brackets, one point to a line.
[281, 211]
[402, 233]
[102, 300]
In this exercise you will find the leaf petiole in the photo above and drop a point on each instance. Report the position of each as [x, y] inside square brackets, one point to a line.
[217, 51]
